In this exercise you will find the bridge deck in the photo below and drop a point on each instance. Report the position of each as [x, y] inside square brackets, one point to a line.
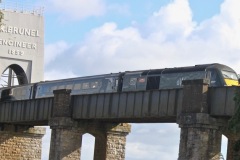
[140, 106]
[27, 111]
[221, 101]
[158, 105]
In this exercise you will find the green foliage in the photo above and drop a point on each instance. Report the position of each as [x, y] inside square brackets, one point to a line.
[234, 122]
[237, 146]
[1, 18]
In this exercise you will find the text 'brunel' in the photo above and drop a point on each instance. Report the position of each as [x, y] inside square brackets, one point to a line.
[19, 31]
[15, 43]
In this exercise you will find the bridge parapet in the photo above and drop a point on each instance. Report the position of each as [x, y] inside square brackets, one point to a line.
[221, 101]
[139, 106]
[31, 112]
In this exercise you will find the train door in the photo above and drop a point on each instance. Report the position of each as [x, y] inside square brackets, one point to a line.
[107, 85]
[213, 75]
[5, 94]
[153, 82]
[115, 84]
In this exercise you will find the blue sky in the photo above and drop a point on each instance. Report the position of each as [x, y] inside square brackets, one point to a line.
[102, 36]
[122, 12]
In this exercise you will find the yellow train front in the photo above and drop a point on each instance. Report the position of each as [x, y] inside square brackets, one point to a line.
[230, 79]
[228, 76]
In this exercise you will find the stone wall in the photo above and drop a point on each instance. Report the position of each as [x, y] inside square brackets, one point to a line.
[21, 145]
[110, 140]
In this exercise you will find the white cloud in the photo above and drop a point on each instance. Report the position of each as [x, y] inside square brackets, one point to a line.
[222, 29]
[45, 144]
[54, 50]
[56, 74]
[171, 22]
[162, 144]
[77, 9]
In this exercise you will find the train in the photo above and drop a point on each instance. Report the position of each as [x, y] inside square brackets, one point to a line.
[167, 78]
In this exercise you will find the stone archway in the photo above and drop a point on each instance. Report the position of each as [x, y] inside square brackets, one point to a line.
[15, 72]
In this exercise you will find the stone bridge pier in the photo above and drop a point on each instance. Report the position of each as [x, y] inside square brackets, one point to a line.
[20, 142]
[66, 138]
[201, 134]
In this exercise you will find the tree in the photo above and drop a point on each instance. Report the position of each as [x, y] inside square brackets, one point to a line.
[234, 127]
[1, 17]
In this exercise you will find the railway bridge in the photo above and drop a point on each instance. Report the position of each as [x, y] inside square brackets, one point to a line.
[202, 113]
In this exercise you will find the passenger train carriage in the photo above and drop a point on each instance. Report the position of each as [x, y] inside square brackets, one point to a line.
[83, 85]
[218, 74]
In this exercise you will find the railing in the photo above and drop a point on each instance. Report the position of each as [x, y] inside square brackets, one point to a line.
[21, 7]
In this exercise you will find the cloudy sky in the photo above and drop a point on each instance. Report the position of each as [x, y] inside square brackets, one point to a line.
[88, 37]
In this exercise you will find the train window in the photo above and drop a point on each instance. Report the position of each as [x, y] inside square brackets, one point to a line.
[179, 81]
[14, 92]
[94, 84]
[69, 86]
[77, 86]
[61, 87]
[173, 80]
[24, 92]
[229, 75]
[208, 75]
[214, 81]
[132, 81]
[53, 88]
[46, 89]
[85, 85]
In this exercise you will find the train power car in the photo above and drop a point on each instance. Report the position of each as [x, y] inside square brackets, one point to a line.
[168, 78]
[219, 75]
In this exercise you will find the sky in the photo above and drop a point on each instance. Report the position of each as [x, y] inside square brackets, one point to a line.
[105, 36]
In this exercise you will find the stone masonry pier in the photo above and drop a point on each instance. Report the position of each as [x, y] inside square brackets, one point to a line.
[66, 138]
[20, 142]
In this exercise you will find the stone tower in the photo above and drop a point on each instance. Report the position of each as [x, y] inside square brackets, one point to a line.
[22, 44]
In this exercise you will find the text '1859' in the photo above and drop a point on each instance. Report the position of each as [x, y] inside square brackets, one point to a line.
[15, 52]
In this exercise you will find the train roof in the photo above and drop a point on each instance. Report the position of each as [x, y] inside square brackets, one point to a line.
[201, 67]
[82, 78]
